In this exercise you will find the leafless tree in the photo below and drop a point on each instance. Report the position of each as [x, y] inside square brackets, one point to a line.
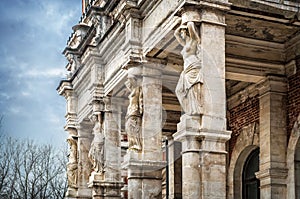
[31, 171]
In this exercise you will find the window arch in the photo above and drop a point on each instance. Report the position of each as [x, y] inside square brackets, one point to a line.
[250, 184]
[297, 169]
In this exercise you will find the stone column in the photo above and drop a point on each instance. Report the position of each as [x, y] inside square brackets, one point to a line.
[152, 131]
[204, 136]
[272, 163]
[175, 172]
[108, 183]
[84, 164]
[188, 135]
[66, 89]
[145, 166]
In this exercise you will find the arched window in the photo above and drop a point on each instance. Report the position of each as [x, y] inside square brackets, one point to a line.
[250, 182]
[297, 170]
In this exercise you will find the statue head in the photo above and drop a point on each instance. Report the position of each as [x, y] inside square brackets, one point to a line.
[183, 31]
[94, 118]
[131, 83]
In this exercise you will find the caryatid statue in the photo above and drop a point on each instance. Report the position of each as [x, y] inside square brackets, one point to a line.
[133, 125]
[188, 89]
[72, 164]
[74, 63]
[96, 153]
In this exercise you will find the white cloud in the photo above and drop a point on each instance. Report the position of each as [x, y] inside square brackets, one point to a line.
[57, 19]
[32, 64]
[47, 73]
[4, 96]
[25, 94]
[14, 110]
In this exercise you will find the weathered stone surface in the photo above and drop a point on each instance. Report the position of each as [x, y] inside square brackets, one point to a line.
[233, 59]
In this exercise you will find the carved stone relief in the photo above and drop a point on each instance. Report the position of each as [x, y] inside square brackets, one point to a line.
[96, 153]
[80, 31]
[73, 64]
[72, 166]
[134, 114]
[188, 89]
[101, 22]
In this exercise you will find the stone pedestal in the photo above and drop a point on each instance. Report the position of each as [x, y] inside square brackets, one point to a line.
[272, 163]
[104, 189]
[188, 135]
[213, 163]
[203, 159]
[144, 176]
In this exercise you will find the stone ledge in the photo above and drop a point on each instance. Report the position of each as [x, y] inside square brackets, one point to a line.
[273, 176]
[109, 184]
[213, 135]
[143, 165]
[71, 193]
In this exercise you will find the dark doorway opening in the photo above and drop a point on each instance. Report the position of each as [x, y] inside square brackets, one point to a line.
[250, 183]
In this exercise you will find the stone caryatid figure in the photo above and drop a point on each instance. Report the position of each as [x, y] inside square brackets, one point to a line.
[134, 114]
[73, 63]
[97, 20]
[96, 153]
[72, 164]
[188, 89]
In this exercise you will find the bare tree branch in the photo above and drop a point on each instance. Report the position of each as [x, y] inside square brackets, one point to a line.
[29, 170]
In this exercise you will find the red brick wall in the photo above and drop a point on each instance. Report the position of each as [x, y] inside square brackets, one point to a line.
[248, 112]
[293, 99]
[241, 116]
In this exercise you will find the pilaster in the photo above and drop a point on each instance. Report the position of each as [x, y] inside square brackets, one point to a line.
[272, 169]
[145, 166]
[133, 36]
[203, 136]
[66, 89]
[108, 183]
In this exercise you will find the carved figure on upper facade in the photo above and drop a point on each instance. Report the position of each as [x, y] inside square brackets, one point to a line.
[96, 153]
[134, 114]
[72, 166]
[97, 21]
[74, 63]
[188, 89]
[72, 174]
[72, 150]
[80, 31]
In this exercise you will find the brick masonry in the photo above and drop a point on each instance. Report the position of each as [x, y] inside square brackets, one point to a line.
[241, 116]
[293, 98]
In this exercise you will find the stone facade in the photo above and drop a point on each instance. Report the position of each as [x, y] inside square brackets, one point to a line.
[183, 99]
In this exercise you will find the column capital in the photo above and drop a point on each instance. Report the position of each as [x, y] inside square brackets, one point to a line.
[221, 5]
[72, 130]
[136, 165]
[272, 83]
[204, 11]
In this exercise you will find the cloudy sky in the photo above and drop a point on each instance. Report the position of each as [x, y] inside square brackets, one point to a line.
[33, 34]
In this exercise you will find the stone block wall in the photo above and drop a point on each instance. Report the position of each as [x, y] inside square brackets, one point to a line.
[293, 98]
[241, 116]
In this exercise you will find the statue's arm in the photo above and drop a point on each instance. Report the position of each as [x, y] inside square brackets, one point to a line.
[192, 30]
[178, 37]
